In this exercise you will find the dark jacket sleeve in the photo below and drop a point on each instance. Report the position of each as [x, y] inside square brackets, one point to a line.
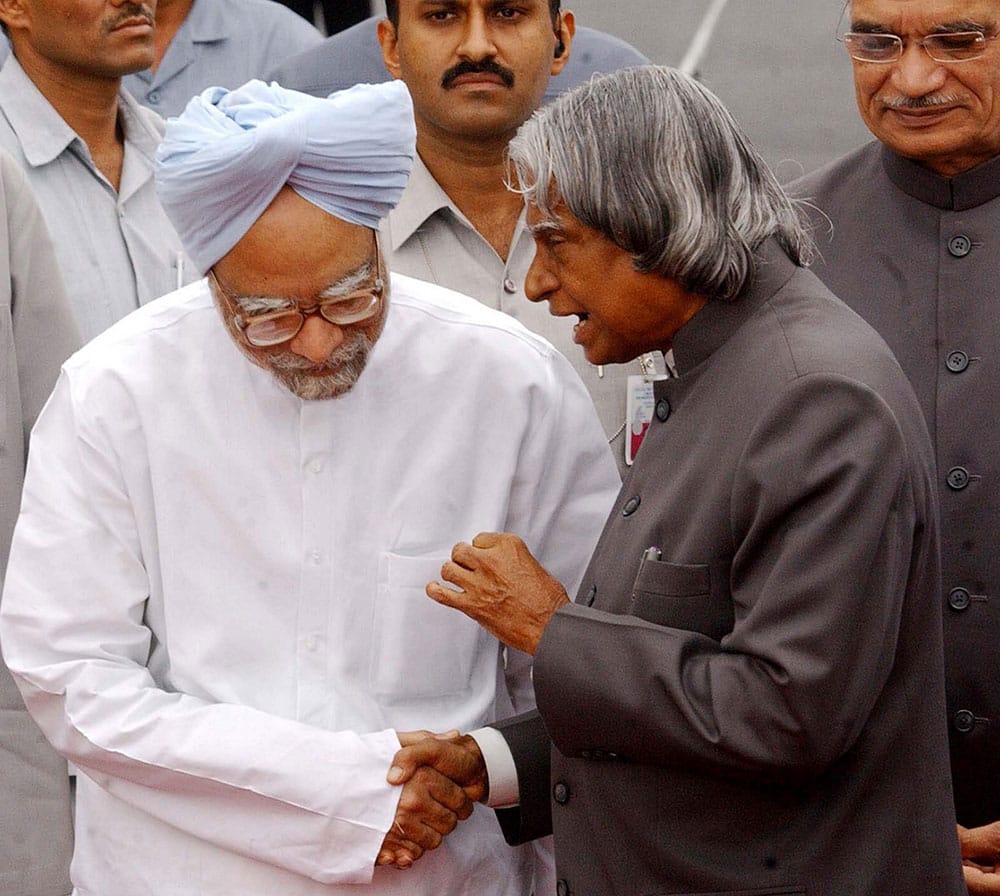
[530, 745]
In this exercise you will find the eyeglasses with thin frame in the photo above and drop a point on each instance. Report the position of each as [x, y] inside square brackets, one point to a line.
[275, 327]
[947, 47]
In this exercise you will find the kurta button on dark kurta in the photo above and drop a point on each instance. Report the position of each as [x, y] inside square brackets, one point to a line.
[959, 599]
[957, 478]
[964, 721]
[562, 888]
[957, 362]
[631, 505]
[591, 596]
[509, 286]
[662, 410]
[959, 246]
[560, 792]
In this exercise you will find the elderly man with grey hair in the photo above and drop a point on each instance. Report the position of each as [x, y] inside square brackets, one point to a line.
[747, 694]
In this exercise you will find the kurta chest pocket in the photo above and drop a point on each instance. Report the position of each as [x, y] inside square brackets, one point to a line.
[420, 649]
[692, 597]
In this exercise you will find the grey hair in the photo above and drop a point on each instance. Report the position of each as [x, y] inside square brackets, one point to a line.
[652, 160]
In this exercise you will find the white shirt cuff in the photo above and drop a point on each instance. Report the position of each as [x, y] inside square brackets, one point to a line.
[500, 768]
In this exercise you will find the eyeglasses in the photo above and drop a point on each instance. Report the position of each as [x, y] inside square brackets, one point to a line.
[274, 327]
[958, 46]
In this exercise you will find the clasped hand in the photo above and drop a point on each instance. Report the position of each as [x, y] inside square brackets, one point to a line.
[442, 776]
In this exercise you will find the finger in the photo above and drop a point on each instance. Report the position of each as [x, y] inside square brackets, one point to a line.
[489, 539]
[464, 555]
[442, 594]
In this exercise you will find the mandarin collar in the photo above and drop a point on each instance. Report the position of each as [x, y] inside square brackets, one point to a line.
[718, 319]
[963, 191]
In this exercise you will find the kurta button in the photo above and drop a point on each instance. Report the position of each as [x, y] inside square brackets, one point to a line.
[662, 410]
[560, 793]
[631, 505]
[562, 888]
[509, 286]
[964, 721]
[959, 246]
[957, 478]
[959, 599]
[957, 362]
[154, 97]
[591, 596]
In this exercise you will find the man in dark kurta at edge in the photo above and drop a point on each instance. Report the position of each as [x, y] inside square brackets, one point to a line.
[913, 244]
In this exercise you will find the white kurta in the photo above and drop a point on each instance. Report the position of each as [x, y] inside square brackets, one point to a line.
[214, 605]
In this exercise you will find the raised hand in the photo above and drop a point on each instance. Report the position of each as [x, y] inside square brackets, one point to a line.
[503, 587]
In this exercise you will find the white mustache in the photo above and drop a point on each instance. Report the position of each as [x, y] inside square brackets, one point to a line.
[920, 102]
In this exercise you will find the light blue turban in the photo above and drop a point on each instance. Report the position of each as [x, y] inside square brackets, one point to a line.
[230, 152]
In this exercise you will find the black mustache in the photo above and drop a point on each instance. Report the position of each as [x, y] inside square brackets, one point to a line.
[485, 66]
[132, 11]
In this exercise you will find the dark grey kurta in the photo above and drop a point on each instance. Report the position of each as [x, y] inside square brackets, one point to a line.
[919, 256]
[760, 711]
[36, 334]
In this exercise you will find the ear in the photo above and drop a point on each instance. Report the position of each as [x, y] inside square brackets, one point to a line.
[565, 29]
[14, 14]
[387, 39]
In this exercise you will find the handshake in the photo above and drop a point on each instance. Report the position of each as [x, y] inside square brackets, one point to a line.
[442, 776]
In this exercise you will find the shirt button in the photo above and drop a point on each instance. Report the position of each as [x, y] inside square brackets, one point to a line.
[560, 793]
[662, 410]
[957, 361]
[509, 286]
[957, 478]
[316, 557]
[562, 888]
[964, 721]
[631, 506]
[311, 644]
[959, 599]
[154, 97]
[315, 466]
[591, 596]
[959, 246]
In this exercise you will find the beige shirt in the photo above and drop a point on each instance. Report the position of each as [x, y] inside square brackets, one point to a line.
[431, 239]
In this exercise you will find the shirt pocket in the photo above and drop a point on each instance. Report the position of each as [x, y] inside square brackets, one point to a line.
[421, 649]
[692, 597]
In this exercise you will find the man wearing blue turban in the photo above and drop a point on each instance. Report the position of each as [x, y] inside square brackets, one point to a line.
[214, 605]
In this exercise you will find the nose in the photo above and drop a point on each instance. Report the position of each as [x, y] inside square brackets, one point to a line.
[915, 74]
[539, 283]
[477, 37]
[317, 339]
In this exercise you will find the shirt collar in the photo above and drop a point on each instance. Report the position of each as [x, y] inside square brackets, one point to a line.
[717, 320]
[964, 191]
[41, 131]
[422, 198]
[206, 22]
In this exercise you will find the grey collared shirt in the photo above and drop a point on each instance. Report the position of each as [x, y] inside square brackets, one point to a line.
[117, 250]
[221, 43]
[431, 239]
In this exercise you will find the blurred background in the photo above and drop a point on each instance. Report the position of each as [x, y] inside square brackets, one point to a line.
[776, 64]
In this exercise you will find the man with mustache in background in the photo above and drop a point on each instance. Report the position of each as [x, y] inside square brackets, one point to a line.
[88, 147]
[476, 70]
[908, 236]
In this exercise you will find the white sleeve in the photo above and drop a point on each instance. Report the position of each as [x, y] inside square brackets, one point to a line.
[74, 636]
[500, 769]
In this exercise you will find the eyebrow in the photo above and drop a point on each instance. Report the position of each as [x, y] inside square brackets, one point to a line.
[863, 26]
[342, 286]
[544, 227]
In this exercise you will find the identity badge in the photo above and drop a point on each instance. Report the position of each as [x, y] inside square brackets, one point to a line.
[639, 405]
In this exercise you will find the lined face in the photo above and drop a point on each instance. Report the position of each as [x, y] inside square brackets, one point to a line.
[620, 312]
[295, 256]
[476, 69]
[944, 115]
[97, 38]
